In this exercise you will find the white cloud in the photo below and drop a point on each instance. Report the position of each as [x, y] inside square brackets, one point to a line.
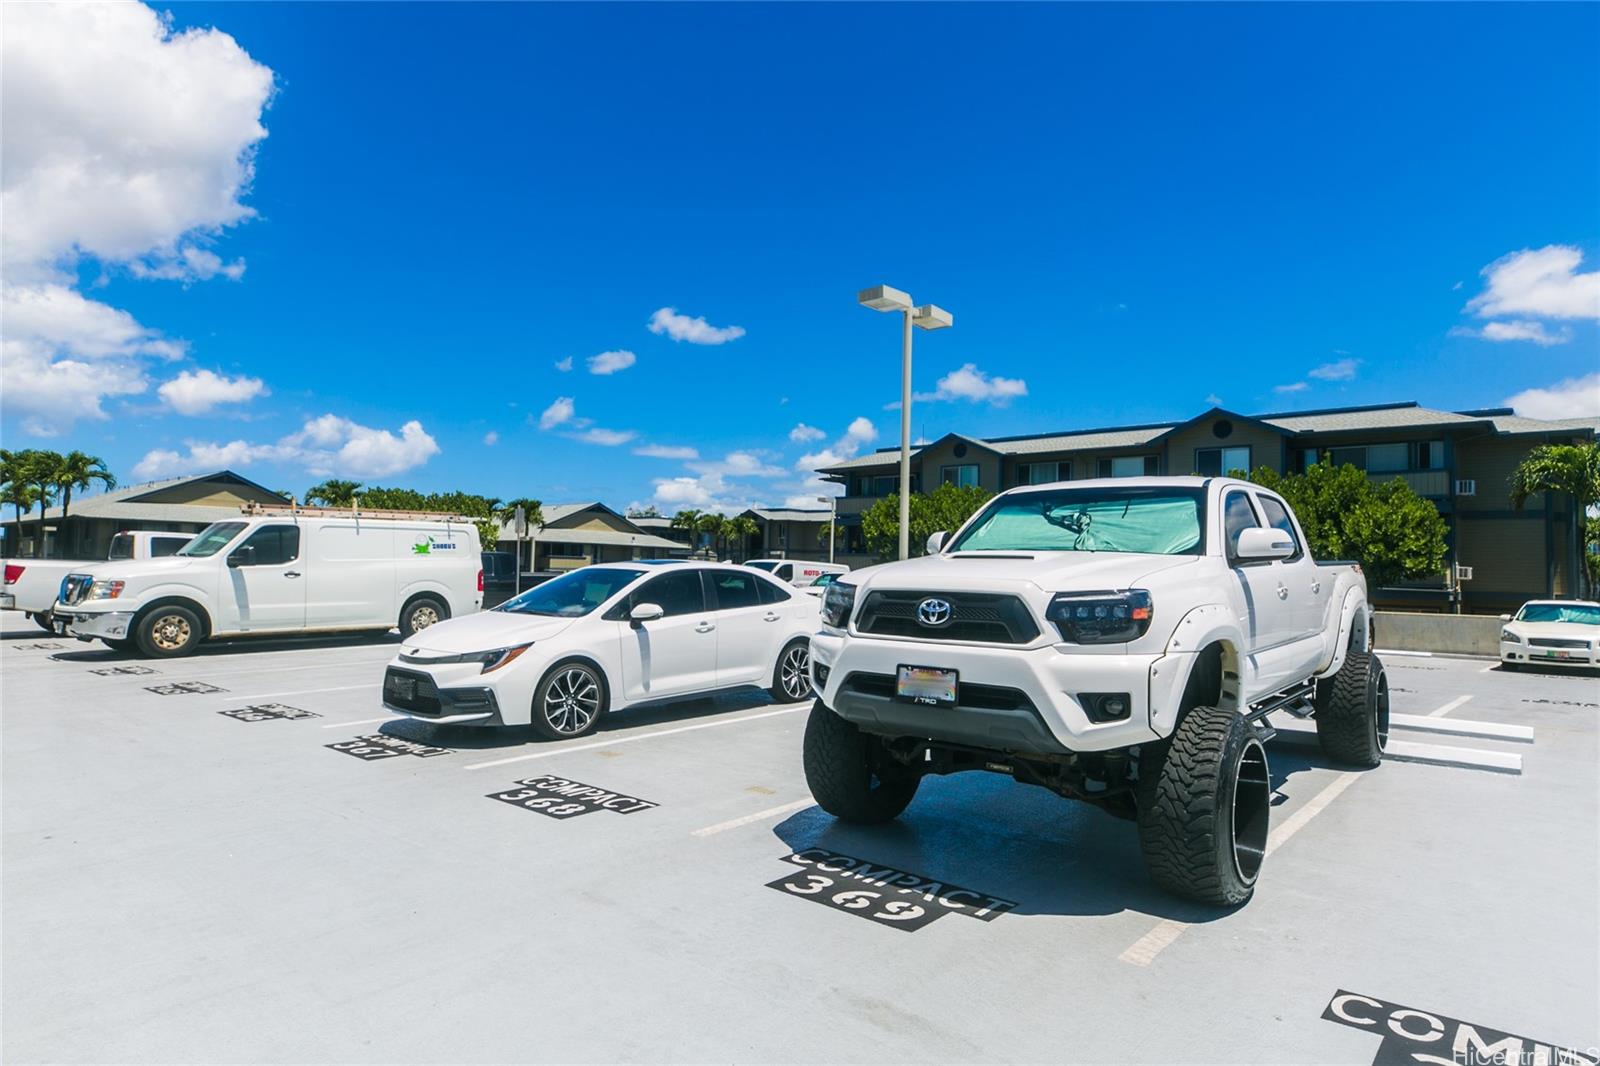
[324, 446]
[564, 365]
[611, 362]
[666, 451]
[609, 438]
[802, 502]
[197, 392]
[124, 143]
[804, 434]
[1214, 400]
[859, 433]
[1338, 370]
[974, 385]
[694, 330]
[557, 413]
[1572, 398]
[491, 438]
[1543, 282]
[739, 464]
[1520, 330]
[1298, 386]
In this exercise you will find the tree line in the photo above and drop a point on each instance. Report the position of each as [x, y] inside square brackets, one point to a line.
[487, 511]
[724, 532]
[39, 476]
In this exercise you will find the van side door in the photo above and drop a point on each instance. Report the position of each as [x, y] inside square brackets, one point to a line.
[263, 582]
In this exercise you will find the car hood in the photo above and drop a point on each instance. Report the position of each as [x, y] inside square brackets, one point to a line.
[483, 631]
[1042, 571]
[126, 569]
[1561, 630]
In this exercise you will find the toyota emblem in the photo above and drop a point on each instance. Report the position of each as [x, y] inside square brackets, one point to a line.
[933, 612]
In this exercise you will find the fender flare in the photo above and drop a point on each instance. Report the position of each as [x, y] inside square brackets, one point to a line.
[1202, 627]
[1353, 630]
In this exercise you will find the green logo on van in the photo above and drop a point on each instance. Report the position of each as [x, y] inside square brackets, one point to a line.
[423, 546]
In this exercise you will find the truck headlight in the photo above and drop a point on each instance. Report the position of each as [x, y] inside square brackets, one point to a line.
[837, 603]
[1101, 617]
[105, 590]
[1510, 637]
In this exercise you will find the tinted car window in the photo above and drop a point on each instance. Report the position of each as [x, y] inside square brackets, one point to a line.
[573, 594]
[1278, 518]
[679, 592]
[784, 572]
[735, 590]
[160, 546]
[771, 593]
[121, 547]
[274, 545]
[1237, 516]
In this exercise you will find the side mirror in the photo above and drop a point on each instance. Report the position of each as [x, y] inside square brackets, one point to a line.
[936, 541]
[1505, 618]
[245, 556]
[1262, 543]
[645, 612]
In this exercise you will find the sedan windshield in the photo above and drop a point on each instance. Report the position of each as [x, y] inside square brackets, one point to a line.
[1582, 614]
[574, 594]
[1152, 521]
[212, 539]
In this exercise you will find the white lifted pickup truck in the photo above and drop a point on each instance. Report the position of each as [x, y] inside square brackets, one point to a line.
[1119, 641]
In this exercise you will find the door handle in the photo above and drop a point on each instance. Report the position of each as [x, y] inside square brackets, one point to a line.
[1283, 593]
[704, 627]
[770, 617]
[1316, 587]
[291, 573]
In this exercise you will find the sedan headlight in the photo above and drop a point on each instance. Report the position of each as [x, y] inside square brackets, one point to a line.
[1510, 637]
[837, 603]
[1101, 617]
[105, 590]
[490, 660]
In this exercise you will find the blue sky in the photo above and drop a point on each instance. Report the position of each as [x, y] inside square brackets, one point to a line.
[1130, 211]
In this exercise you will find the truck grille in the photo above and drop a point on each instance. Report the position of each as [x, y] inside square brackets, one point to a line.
[1556, 642]
[984, 617]
[410, 691]
[74, 587]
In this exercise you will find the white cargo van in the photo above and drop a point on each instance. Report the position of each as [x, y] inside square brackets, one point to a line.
[797, 572]
[282, 570]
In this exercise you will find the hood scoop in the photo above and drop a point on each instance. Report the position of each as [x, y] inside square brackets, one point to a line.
[986, 555]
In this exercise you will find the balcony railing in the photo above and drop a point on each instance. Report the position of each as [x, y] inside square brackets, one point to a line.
[1435, 483]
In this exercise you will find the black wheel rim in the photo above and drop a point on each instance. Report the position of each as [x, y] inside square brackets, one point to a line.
[1252, 805]
[1380, 709]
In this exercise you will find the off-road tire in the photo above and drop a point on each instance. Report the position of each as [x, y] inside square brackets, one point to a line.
[420, 613]
[1353, 712]
[1205, 798]
[791, 676]
[849, 774]
[168, 632]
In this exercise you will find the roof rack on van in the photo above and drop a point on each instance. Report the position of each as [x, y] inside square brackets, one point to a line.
[257, 510]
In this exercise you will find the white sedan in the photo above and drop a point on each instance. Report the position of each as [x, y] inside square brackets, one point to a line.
[603, 638]
[1552, 632]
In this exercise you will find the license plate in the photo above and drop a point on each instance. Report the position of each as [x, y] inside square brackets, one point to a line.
[926, 684]
[1558, 655]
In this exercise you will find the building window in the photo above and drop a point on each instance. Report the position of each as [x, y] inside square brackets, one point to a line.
[564, 551]
[1043, 473]
[1127, 466]
[962, 477]
[1391, 458]
[1217, 462]
[853, 542]
[1302, 459]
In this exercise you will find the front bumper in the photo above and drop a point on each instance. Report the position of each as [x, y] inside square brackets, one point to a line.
[1010, 699]
[104, 625]
[1519, 652]
[417, 694]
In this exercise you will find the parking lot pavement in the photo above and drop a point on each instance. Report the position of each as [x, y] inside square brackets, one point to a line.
[238, 856]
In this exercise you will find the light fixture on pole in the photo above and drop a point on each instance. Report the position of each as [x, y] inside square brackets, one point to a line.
[833, 522]
[928, 316]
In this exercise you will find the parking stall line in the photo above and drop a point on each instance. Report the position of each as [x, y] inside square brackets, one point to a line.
[1142, 952]
[307, 691]
[367, 721]
[758, 816]
[551, 752]
[1439, 712]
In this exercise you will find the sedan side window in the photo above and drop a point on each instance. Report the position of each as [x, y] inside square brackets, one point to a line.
[678, 593]
[274, 545]
[1237, 516]
[735, 590]
[770, 592]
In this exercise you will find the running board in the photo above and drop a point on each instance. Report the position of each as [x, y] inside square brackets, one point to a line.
[1297, 701]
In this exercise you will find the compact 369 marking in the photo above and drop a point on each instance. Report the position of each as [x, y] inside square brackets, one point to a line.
[882, 894]
[557, 797]
[374, 746]
[266, 712]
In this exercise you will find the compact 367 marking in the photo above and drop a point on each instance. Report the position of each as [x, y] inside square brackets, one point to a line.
[557, 797]
[375, 746]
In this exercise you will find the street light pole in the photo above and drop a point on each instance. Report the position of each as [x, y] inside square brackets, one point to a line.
[833, 522]
[928, 316]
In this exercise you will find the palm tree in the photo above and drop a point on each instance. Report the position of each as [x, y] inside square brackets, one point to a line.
[1570, 469]
[41, 470]
[532, 510]
[14, 488]
[333, 493]
[80, 471]
[688, 519]
[739, 531]
[713, 525]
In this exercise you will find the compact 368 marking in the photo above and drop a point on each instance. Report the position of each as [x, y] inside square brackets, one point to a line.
[882, 894]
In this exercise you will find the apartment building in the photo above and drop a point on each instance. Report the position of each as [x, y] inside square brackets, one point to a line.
[1460, 460]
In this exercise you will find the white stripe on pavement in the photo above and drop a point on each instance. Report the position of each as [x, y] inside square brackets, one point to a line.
[548, 752]
[758, 816]
[1142, 952]
[303, 692]
[1396, 651]
[1447, 708]
[368, 721]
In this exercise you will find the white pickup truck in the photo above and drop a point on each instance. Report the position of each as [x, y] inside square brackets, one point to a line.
[34, 585]
[1118, 641]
